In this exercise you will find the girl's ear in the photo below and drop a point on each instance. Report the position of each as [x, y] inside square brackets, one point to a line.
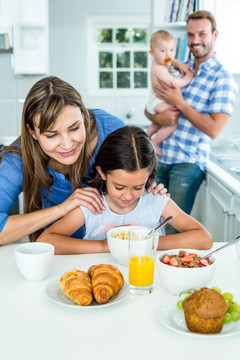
[151, 52]
[99, 170]
[32, 133]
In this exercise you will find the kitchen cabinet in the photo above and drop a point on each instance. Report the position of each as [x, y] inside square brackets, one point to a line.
[199, 206]
[28, 34]
[218, 209]
[236, 222]
[219, 212]
[31, 33]
[213, 207]
[7, 16]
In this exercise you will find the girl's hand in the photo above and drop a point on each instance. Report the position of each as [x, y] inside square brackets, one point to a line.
[157, 189]
[88, 197]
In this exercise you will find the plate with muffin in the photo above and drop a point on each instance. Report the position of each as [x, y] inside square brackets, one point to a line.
[102, 285]
[203, 314]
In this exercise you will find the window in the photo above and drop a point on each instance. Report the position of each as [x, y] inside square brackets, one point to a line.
[119, 56]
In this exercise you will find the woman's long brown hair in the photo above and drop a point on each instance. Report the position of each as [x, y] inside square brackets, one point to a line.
[48, 97]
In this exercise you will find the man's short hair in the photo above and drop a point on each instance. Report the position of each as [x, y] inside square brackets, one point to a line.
[202, 14]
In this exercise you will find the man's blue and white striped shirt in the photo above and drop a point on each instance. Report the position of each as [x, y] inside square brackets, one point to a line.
[212, 90]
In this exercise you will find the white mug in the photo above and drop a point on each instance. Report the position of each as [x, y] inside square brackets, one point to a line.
[34, 260]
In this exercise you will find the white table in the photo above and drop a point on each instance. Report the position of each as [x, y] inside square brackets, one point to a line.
[32, 327]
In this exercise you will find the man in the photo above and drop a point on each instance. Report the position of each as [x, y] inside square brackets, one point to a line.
[201, 110]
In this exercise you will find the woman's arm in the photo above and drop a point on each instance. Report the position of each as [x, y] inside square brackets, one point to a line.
[192, 234]
[19, 226]
[59, 233]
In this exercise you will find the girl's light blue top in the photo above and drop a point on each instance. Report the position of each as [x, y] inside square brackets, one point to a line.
[147, 213]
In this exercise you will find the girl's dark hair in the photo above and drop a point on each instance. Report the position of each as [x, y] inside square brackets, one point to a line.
[127, 148]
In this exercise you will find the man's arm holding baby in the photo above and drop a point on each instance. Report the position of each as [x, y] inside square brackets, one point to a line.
[212, 124]
[168, 117]
[161, 74]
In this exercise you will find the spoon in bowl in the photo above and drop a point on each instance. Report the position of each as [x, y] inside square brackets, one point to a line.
[232, 242]
[160, 225]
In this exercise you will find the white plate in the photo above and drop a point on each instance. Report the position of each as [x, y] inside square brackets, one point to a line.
[55, 293]
[173, 318]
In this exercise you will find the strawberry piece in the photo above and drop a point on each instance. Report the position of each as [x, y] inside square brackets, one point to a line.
[166, 259]
[203, 262]
[185, 254]
[193, 254]
[173, 262]
[187, 259]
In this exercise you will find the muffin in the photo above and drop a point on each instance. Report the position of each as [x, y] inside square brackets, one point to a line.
[204, 311]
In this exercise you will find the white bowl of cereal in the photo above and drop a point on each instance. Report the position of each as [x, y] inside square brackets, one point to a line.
[117, 239]
[177, 278]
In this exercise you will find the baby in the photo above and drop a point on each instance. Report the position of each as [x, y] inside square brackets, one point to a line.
[164, 69]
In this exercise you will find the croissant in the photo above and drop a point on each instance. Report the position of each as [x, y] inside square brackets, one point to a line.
[107, 281]
[76, 285]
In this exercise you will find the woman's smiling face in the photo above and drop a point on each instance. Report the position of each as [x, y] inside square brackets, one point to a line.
[64, 141]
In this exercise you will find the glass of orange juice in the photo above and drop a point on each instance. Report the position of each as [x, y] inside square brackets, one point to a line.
[142, 248]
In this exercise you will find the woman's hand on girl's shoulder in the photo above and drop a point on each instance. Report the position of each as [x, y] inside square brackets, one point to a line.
[88, 197]
[157, 189]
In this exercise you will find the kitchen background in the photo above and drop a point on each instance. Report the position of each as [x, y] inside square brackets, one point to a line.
[59, 37]
[65, 28]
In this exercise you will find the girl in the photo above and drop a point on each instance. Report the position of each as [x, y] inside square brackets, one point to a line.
[59, 141]
[123, 168]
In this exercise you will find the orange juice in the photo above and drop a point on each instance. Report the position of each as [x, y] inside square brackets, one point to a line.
[141, 270]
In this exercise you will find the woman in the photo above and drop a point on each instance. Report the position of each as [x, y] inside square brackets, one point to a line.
[59, 141]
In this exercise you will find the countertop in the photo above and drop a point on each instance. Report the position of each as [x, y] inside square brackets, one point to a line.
[225, 177]
[225, 162]
[34, 327]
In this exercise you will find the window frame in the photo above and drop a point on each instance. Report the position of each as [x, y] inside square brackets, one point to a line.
[108, 21]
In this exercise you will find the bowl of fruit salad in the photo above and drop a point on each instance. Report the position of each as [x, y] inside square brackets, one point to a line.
[183, 269]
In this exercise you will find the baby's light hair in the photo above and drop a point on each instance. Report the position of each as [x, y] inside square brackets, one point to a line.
[160, 35]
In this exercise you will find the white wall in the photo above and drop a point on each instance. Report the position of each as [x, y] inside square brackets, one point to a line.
[68, 48]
